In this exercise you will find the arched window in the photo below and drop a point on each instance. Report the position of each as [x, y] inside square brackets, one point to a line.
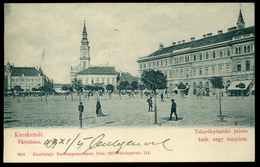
[228, 52]
[207, 55]
[247, 65]
[248, 48]
[239, 50]
[194, 57]
[245, 49]
[200, 56]
[238, 66]
[213, 54]
[220, 54]
[236, 51]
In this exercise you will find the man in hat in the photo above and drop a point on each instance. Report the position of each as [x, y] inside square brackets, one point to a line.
[173, 110]
[80, 109]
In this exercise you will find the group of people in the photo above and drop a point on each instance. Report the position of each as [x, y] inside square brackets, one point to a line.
[150, 109]
[81, 110]
[173, 107]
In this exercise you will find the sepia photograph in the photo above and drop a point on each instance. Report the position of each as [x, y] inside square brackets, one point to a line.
[137, 82]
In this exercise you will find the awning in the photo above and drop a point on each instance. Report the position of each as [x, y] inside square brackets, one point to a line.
[234, 83]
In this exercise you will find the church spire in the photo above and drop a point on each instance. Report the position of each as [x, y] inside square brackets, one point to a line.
[84, 34]
[240, 20]
[84, 28]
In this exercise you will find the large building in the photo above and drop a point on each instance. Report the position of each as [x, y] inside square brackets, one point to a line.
[91, 75]
[230, 55]
[25, 77]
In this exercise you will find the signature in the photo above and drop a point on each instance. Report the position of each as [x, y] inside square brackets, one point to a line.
[91, 143]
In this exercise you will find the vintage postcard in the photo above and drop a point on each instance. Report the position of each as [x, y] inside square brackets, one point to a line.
[129, 82]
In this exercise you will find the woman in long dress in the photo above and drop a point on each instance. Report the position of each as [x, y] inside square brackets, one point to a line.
[98, 109]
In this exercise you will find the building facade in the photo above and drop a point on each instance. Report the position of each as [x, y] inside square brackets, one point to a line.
[91, 75]
[230, 55]
[26, 77]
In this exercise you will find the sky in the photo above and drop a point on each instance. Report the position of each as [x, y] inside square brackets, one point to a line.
[49, 35]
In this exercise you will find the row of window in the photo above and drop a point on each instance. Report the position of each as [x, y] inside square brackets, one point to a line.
[243, 49]
[185, 72]
[196, 57]
[100, 80]
[27, 80]
[28, 84]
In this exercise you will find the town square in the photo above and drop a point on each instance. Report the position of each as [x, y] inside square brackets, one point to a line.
[79, 74]
[128, 111]
[129, 82]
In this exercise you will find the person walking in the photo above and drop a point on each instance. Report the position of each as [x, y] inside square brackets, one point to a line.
[80, 109]
[150, 104]
[162, 97]
[98, 109]
[173, 110]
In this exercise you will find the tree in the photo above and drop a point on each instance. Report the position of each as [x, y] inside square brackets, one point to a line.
[110, 88]
[97, 89]
[70, 89]
[181, 86]
[154, 80]
[17, 88]
[77, 84]
[65, 88]
[141, 88]
[134, 85]
[119, 88]
[88, 89]
[217, 83]
[130, 88]
[44, 89]
[124, 84]
[34, 89]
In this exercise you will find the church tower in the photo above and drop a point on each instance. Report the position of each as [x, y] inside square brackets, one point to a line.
[240, 21]
[84, 50]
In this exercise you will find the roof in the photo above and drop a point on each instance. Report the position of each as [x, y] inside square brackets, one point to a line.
[98, 71]
[126, 76]
[234, 83]
[205, 41]
[26, 71]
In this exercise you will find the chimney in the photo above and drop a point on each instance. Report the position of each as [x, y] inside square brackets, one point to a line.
[209, 34]
[179, 42]
[192, 38]
[183, 41]
[220, 31]
[160, 46]
[174, 43]
[232, 28]
[204, 35]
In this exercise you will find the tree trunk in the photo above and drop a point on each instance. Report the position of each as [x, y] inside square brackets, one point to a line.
[220, 110]
[79, 96]
[18, 98]
[65, 96]
[45, 96]
[155, 109]
[120, 94]
[71, 97]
